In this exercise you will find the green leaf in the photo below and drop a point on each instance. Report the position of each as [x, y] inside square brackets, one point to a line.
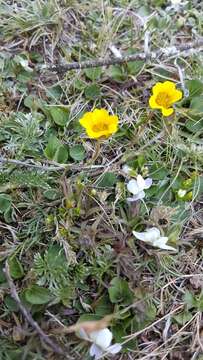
[5, 203]
[197, 105]
[89, 317]
[16, 269]
[52, 146]
[92, 92]
[183, 317]
[103, 306]
[52, 194]
[2, 276]
[189, 299]
[93, 73]
[158, 172]
[199, 302]
[37, 295]
[134, 67]
[60, 115]
[55, 256]
[66, 294]
[31, 102]
[54, 92]
[61, 154]
[194, 125]
[117, 73]
[108, 180]
[79, 84]
[77, 152]
[119, 291]
[55, 150]
[195, 87]
[11, 303]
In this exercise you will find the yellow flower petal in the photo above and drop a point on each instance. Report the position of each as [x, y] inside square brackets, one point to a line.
[99, 123]
[86, 119]
[168, 86]
[167, 112]
[177, 95]
[153, 104]
[157, 88]
[164, 96]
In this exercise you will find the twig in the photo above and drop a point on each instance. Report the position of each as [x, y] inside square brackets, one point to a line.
[26, 164]
[171, 51]
[28, 316]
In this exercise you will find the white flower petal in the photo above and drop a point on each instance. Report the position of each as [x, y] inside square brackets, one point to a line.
[153, 237]
[131, 199]
[114, 349]
[139, 196]
[140, 235]
[153, 233]
[150, 235]
[140, 182]
[132, 187]
[102, 338]
[95, 351]
[182, 193]
[148, 183]
[162, 240]
[83, 335]
[176, 2]
[161, 244]
[126, 169]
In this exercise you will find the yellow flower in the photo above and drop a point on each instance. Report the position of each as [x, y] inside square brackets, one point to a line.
[98, 123]
[164, 95]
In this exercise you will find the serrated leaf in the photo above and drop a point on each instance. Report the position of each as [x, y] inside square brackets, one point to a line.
[189, 299]
[55, 256]
[60, 115]
[37, 295]
[16, 269]
[183, 317]
[77, 152]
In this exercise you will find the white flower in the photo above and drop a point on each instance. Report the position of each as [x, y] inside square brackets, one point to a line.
[101, 342]
[182, 193]
[137, 187]
[153, 236]
[176, 2]
[126, 169]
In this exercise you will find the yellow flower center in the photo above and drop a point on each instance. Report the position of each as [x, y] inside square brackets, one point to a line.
[163, 99]
[100, 127]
